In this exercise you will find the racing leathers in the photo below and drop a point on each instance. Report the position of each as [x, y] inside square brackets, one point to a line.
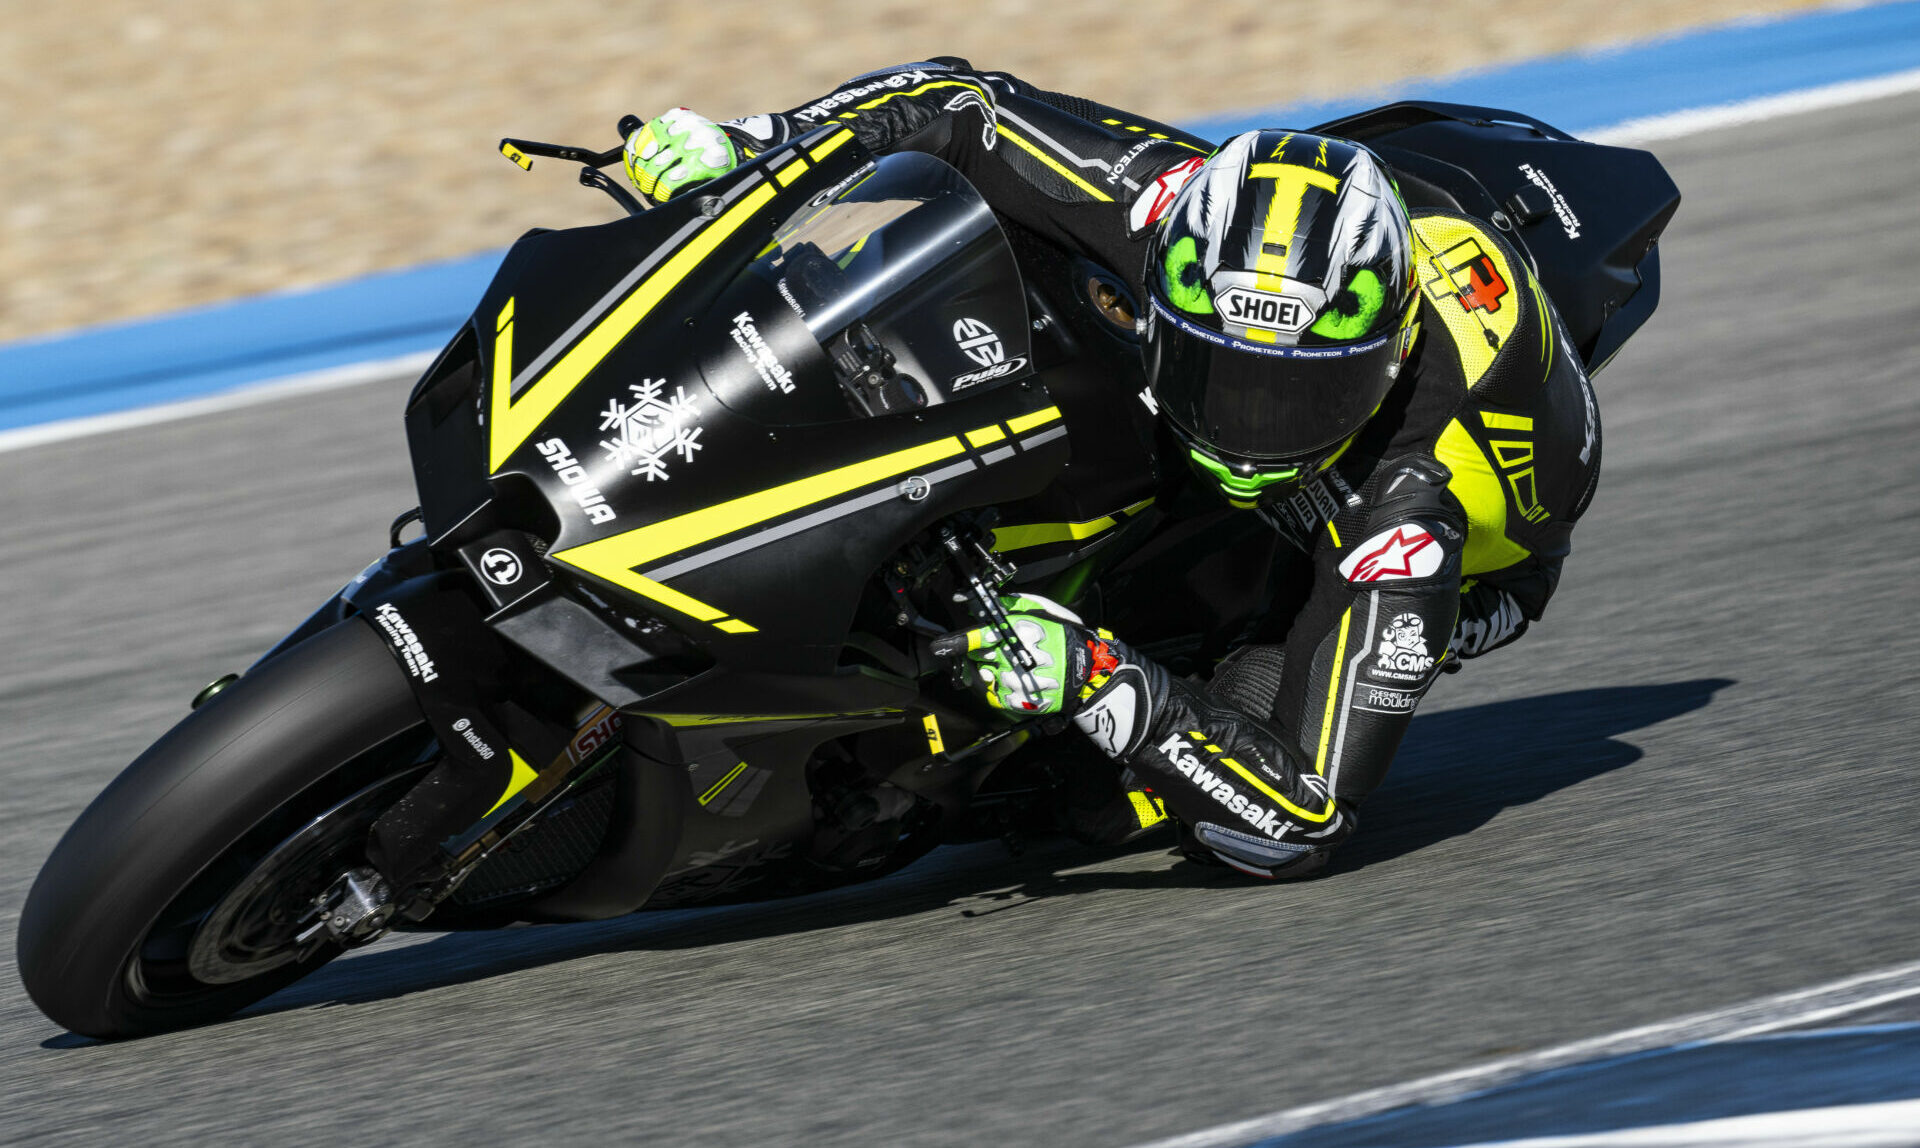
[1438, 534]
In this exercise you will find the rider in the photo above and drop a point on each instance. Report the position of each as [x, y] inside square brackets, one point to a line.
[1391, 391]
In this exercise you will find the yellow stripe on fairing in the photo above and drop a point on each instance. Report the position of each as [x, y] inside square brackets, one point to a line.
[710, 794]
[511, 421]
[985, 435]
[1056, 165]
[1333, 692]
[523, 776]
[831, 144]
[1033, 419]
[692, 721]
[618, 558]
[791, 172]
[1028, 535]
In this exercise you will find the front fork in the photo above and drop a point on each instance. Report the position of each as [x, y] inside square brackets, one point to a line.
[502, 766]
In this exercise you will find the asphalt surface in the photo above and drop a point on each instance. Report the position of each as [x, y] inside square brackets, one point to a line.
[1691, 786]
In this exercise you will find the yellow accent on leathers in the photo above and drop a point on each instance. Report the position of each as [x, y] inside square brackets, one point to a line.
[1476, 485]
[1443, 247]
[1063, 170]
[1333, 692]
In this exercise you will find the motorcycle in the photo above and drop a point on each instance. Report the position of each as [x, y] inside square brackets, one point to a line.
[700, 490]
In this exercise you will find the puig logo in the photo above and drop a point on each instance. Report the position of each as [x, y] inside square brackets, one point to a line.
[997, 371]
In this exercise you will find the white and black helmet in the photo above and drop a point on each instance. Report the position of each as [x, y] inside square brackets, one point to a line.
[1281, 286]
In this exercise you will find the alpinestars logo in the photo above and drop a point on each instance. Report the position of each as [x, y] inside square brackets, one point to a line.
[1156, 197]
[651, 429]
[1403, 649]
[990, 128]
[1405, 552]
[1267, 821]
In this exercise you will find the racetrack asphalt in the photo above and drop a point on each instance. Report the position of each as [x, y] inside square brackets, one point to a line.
[1692, 785]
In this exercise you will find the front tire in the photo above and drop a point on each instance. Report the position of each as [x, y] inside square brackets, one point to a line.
[113, 929]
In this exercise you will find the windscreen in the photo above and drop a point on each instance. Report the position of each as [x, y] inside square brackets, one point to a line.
[893, 292]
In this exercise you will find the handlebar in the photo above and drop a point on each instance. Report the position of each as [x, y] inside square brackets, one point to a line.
[520, 152]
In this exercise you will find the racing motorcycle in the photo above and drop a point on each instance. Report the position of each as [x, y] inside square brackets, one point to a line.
[699, 491]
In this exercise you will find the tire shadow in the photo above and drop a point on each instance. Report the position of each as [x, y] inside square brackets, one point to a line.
[1454, 773]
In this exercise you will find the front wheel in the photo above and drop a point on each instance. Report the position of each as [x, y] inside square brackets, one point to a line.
[178, 896]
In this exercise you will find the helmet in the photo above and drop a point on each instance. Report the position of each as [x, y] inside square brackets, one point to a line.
[1281, 305]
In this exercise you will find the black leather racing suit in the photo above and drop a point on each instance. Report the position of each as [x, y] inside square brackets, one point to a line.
[1439, 534]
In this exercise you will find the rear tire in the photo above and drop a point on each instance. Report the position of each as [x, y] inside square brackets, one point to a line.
[105, 933]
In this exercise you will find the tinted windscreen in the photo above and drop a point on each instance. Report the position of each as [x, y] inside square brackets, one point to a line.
[895, 291]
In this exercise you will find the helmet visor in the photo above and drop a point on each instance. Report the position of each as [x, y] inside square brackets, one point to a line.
[1262, 401]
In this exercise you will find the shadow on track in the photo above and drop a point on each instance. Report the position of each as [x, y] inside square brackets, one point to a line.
[1457, 769]
[1454, 773]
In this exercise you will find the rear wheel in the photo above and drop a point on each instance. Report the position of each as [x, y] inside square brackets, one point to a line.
[180, 895]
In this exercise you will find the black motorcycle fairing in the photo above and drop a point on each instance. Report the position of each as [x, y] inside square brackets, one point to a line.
[900, 285]
[390, 569]
[1585, 215]
[654, 498]
[1092, 371]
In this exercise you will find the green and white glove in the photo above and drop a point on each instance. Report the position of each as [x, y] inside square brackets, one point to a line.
[676, 149]
[1065, 655]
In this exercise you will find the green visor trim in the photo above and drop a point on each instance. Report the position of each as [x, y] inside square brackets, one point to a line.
[1186, 285]
[1241, 486]
[1368, 298]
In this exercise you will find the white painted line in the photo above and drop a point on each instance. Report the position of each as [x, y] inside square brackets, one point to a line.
[1818, 1015]
[1890, 1124]
[1672, 125]
[252, 394]
[1821, 1002]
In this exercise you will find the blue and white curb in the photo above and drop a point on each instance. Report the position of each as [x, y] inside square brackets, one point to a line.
[1730, 1076]
[256, 350]
[1712, 67]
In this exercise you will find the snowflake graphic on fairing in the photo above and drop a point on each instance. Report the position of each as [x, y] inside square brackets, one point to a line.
[652, 428]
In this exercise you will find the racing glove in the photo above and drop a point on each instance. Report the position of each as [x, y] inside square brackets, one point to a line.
[1061, 656]
[675, 150]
